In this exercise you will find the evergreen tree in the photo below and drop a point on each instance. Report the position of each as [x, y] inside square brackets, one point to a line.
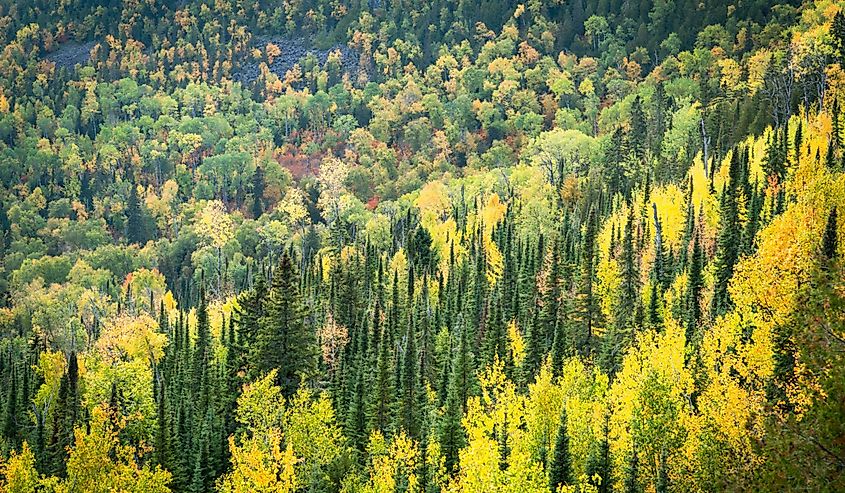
[560, 470]
[409, 420]
[638, 134]
[134, 218]
[589, 310]
[836, 122]
[630, 277]
[695, 284]
[283, 341]
[258, 192]
[728, 241]
[830, 241]
[380, 402]
[837, 30]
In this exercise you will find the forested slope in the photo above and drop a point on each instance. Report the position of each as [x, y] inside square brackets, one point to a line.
[422, 246]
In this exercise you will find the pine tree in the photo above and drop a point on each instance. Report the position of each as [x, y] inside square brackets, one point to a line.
[258, 192]
[588, 309]
[728, 241]
[134, 218]
[283, 341]
[380, 401]
[638, 134]
[695, 284]
[560, 470]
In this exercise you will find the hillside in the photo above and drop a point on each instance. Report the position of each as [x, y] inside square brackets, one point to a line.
[405, 246]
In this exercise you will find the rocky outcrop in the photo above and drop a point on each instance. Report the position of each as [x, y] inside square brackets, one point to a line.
[293, 51]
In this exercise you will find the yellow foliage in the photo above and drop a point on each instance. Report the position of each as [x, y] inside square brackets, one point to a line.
[648, 399]
[499, 409]
[433, 202]
[18, 474]
[127, 337]
[257, 467]
[517, 344]
[99, 463]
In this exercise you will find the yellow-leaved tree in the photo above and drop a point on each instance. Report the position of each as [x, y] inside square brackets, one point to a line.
[260, 463]
[498, 456]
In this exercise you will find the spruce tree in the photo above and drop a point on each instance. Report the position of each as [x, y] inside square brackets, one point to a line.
[134, 218]
[695, 284]
[380, 401]
[451, 431]
[589, 310]
[629, 287]
[837, 31]
[408, 418]
[202, 357]
[728, 241]
[638, 134]
[560, 470]
[284, 342]
[258, 192]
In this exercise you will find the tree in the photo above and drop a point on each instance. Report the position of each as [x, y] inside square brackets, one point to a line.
[134, 219]
[260, 460]
[831, 240]
[99, 463]
[638, 133]
[728, 241]
[18, 474]
[380, 398]
[560, 469]
[258, 192]
[695, 283]
[588, 309]
[284, 342]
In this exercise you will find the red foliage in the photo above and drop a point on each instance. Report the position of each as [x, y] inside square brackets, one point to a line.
[373, 202]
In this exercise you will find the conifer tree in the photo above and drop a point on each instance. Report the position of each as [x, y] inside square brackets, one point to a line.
[283, 341]
[380, 402]
[134, 219]
[728, 241]
[202, 357]
[258, 192]
[560, 470]
[637, 136]
[588, 310]
[836, 130]
[408, 418]
[830, 241]
[451, 432]
[695, 284]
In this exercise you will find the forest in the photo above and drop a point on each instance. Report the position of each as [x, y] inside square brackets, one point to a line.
[413, 246]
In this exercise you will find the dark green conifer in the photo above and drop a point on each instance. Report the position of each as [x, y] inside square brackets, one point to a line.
[560, 469]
